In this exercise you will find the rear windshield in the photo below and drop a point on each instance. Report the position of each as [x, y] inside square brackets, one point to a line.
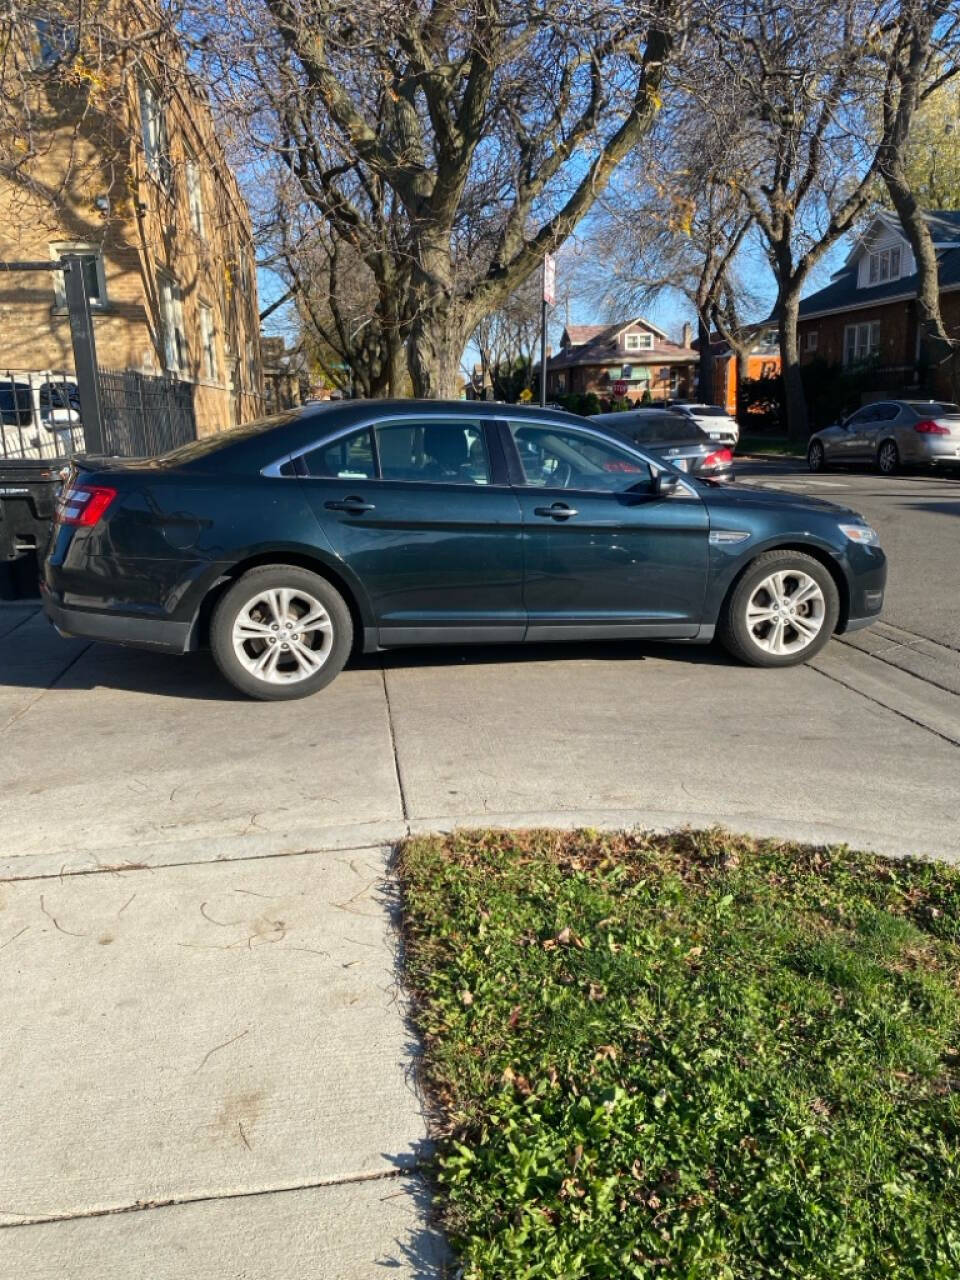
[708, 411]
[943, 408]
[223, 439]
[663, 428]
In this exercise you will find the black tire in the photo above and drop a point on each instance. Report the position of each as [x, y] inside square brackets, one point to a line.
[734, 631]
[888, 458]
[815, 456]
[278, 577]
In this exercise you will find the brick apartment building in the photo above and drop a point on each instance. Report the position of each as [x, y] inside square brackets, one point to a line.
[127, 170]
[595, 357]
[866, 317]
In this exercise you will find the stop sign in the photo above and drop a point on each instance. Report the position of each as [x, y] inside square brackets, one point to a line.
[620, 387]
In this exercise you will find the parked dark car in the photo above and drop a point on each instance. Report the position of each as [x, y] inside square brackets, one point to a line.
[287, 543]
[676, 438]
[889, 435]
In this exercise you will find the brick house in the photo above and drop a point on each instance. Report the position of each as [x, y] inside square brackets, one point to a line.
[867, 313]
[142, 190]
[593, 357]
[763, 361]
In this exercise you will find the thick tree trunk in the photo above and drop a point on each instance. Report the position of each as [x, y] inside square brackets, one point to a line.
[434, 349]
[794, 401]
[705, 389]
[937, 348]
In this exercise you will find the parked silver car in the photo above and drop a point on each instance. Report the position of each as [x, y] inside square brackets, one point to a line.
[891, 434]
[673, 437]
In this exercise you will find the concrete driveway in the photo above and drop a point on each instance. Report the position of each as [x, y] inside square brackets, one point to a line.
[206, 1065]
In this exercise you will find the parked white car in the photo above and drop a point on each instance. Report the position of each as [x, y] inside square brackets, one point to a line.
[711, 418]
[39, 415]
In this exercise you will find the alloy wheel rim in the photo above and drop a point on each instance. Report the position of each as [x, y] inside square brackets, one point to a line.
[888, 457]
[816, 456]
[786, 612]
[282, 636]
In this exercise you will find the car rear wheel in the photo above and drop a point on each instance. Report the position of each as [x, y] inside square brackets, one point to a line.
[281, 632]
[815, 456]
[888, 458]
[781, 612]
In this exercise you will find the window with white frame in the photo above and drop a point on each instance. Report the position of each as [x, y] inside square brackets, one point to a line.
[171, 318]
[208, 341]
[861, 342]
[156, 146]
[194, 193]
[91, 260]
[885, 265]
[812, 338]
[638, 341]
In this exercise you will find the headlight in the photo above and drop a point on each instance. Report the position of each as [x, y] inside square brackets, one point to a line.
[861, 533]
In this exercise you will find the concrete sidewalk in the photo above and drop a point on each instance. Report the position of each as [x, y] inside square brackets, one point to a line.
[206, 1066]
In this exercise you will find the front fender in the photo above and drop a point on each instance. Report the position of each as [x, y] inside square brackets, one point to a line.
[727, 561]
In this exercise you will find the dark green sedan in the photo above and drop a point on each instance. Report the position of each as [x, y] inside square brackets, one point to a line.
[288, 543]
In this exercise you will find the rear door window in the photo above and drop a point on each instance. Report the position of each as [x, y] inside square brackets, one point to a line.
[349, 458]
[434, 452]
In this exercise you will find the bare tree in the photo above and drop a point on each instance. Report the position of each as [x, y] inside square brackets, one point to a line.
[793, 75]
[675, 223]
[507, 342]
[493, 124]
[924, 54]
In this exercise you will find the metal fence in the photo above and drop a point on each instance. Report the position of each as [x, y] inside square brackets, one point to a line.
[144, 415]
[41, 419]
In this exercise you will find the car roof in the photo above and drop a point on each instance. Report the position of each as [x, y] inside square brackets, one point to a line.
[253, 445]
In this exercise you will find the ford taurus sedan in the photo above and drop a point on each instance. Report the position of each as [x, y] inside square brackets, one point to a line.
[891, 434]
[288, 543]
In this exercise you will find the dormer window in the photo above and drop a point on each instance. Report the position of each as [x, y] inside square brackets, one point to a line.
[884, 265]
[638, 341]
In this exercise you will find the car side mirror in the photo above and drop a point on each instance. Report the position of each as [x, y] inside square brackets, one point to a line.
[665, 483]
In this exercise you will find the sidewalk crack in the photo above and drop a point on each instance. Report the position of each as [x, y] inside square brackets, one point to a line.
[42, 1219]
[404, 810]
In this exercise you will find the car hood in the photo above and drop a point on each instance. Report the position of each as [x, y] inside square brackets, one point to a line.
[745, 495]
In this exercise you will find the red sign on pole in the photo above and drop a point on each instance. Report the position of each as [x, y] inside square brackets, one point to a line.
[549, 279]
[620, 388]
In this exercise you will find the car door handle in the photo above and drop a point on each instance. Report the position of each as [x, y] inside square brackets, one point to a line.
[558, 511]
[354, 505]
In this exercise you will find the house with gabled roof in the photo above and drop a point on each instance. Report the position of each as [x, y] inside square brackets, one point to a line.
[867, 314]
[638, 354]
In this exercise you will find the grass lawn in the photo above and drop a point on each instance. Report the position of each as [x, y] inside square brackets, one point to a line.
[688, 1057]
[777, 446]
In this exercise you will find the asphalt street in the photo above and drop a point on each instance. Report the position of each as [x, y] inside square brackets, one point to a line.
[918, 518]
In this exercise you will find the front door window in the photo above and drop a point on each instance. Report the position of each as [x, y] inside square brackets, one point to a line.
[557, 458]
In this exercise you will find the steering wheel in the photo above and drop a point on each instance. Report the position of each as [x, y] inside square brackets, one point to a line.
[560, 476]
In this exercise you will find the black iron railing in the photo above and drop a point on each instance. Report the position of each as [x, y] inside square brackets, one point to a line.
[41, 417]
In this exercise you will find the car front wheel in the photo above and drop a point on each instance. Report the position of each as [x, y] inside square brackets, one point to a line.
[815, 457]
[781, 612]
[281, 632]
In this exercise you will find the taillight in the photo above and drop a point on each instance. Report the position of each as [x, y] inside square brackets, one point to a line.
[84, 504]
[930, 428]
[719, 458]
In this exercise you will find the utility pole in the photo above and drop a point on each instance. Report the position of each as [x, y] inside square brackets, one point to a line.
[549, 297]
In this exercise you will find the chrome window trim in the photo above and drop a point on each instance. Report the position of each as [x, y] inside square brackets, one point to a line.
[368, 424]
